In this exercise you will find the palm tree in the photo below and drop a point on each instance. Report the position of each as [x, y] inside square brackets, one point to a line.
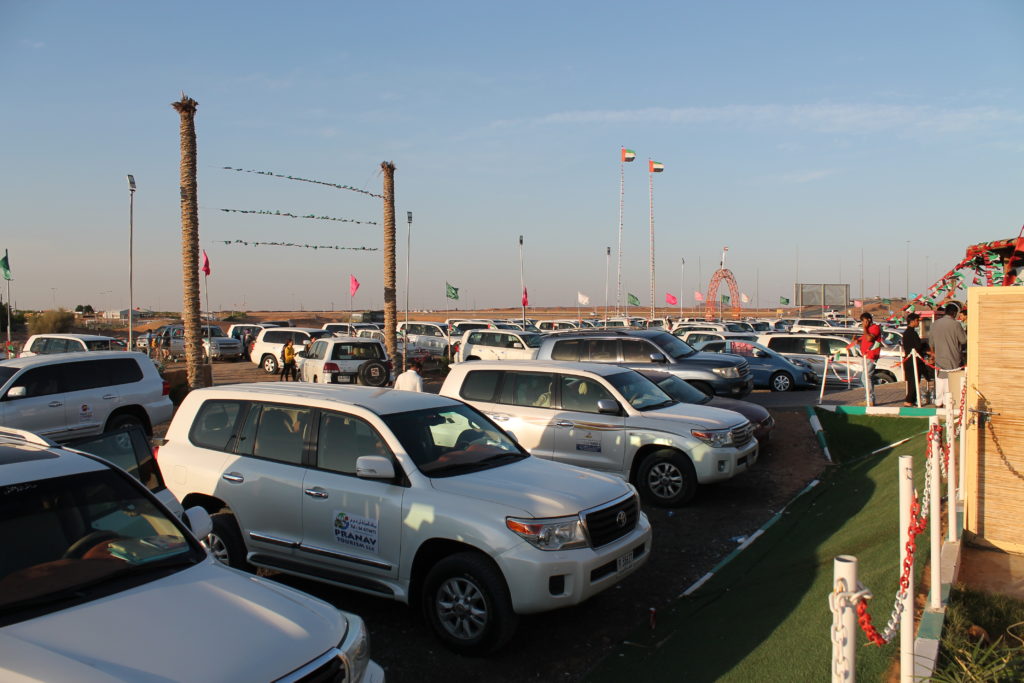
[390, 308]
[191, 313]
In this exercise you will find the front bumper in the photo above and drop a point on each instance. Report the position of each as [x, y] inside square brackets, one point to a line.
[539, 580]
[720, 464]
[733, 388]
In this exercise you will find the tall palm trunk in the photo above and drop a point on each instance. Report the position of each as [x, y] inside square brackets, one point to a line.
[390, 308]
[190, 310]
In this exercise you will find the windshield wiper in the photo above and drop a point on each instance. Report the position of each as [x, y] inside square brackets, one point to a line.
[663, 404]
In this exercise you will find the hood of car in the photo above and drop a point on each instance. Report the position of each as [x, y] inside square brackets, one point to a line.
[702, 359]
[688, 414]
[207, 622]
[538, 488]
[751, 411]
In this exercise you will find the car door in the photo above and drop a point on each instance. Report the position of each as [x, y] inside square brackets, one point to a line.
[350, 523]
[89, 397]
[584, 436]
[42, 408]
[518, 401]
[262, 479]
[313, 362]
[762, 367]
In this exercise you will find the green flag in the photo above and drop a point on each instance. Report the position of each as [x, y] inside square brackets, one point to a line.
[632, 300]
[886, 301]
[451, 292]
[725, 298]
[5, 266]
[784, 301]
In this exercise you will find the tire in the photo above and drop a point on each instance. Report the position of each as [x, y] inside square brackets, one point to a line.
[703, 386]
[882, 377]
[125, 421]
[473, 358]
[781, 381]
[465, 600]
[373, 373]
[270, 364]
[667, 478]
[225, 541]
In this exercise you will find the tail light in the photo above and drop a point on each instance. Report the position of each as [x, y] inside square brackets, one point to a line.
[156, 452]
[166, 389]
[455, 347]
[331, 367]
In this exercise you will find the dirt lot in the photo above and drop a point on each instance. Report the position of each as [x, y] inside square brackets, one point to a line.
[565, 645]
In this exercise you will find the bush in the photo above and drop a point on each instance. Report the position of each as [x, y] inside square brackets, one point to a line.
[236, 317]
[49, 322]
[17, 318]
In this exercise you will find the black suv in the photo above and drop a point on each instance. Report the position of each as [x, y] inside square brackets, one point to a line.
[713, 373]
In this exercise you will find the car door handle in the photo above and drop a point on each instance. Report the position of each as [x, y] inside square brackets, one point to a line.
[563, 423]
[316, 492]
[233, 476]
[499, 418]
[109, 396]
[55, 404]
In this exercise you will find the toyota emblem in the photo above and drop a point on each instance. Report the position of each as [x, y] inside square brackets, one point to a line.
[620, 519]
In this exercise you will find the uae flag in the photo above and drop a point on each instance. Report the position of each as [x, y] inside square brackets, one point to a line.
[628, 154]
[655, 166]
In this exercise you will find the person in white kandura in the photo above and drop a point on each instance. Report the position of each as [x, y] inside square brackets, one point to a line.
[410, 380]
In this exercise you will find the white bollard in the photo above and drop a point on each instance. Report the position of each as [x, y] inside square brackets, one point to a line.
[844, 642]
[867, 381]
[917, 377]
[935, 525]
[824, 378]
[906, 474]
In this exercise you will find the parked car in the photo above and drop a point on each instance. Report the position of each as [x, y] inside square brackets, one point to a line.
[711, 373]
[403, 495]
[813, 350]
[498, 345]
[348, 329]
[434, 338]
[611, 419]
[771, 370]
[215, 343]
[266, 350]
[239, 332]
[345, 360]
[684, 392]
[697, 339]
[39, 344]
[551, 325]
[100, 582]
[78, 394]
[814, 325]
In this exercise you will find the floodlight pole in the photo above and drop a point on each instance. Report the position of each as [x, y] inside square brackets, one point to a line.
[408, 259]
[131, 260]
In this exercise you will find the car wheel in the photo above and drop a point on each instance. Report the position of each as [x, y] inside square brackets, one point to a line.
[473, 358]
[703, 386]
[883, 378]
[225, 541]
[667, 478]
[781, 381]
[269, 364]
[466, 602]
[124, 421]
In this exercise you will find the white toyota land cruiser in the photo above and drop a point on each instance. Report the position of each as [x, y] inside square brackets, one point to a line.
[404, 495]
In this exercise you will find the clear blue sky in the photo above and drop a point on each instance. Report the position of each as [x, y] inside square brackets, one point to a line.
[810, 126]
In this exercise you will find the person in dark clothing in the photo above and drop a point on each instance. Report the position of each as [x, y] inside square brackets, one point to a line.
[912, 342]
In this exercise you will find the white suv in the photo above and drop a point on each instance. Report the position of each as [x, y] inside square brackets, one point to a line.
[402, 495]
[39, 344]
[77, 394]
[345, 360]
[100, 582]
[266, 350]
[498, 345]
[612, 419]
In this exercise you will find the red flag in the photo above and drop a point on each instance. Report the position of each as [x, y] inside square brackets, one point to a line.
[670, 300]
[353, 285]
[697, 296]
[526, 299]
[206, 264]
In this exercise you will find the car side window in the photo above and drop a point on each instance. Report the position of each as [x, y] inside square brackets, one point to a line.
[600, 350]
[84, 375]
[480, 385]
[637, 351]
[742, 349]
[811, 345]
[528, 389]
[318, 350]
[275, 337]
[276, 432]
[784, 345]
[39, 345]
[568, 349]
[41, 381]
[342, 439]
[582, 394]
[121, 370]
[713, 346]
[214, 424]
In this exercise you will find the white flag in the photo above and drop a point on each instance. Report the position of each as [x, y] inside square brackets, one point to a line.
[744, 298]
[583, 299]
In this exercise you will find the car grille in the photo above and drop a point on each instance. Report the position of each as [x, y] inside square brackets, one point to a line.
[333, 671]
[605, 524]
[742, 434]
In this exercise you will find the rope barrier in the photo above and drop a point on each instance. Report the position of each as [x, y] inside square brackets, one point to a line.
[935, 367]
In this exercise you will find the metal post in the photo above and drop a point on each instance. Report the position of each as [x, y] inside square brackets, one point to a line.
[408, 259]
[844, 644]
[917, 378]
[131, 259]
[522, 281]
[953, 532]
[935, 527]
[651, 177]
[906, 480]
[607, 265]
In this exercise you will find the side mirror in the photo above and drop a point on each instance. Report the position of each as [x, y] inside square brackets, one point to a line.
[198, 520]
[758, 353]
[517, 345]
[609, 406]
[16, 392]
[374, 467]
[658, 358]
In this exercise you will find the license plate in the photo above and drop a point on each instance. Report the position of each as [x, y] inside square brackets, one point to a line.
[624, 562]
[343, 379]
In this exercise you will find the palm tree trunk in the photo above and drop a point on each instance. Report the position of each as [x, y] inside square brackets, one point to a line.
[390, 308]
[191, 312]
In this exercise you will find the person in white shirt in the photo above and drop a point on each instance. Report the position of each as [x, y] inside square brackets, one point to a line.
[410, 380]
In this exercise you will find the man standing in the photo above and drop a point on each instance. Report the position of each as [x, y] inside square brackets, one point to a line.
[870, 349]
[410, 380]
[947, 338]
[912, 342]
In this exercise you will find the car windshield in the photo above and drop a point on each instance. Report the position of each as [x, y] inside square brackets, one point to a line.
[677, 388]
[531, 340]
[316, 334]
[452, 440]
[461, 328]
[640, 392]
[213, 331]
[673, 346]
[71, 539]
[6, 374]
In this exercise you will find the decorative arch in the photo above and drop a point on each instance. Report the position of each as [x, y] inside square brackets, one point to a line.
[711, 300]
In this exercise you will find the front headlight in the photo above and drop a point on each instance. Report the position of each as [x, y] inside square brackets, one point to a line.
[728, 373]
[716, 438]
[557, 533]
[355, 647]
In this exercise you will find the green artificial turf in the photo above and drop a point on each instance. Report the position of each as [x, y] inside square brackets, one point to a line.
[855, 436]
[764, 616]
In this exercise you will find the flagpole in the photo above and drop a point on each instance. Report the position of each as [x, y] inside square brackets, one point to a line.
[622, 194]
[607, 265]
[522, 280]
[8, 305]
[650, 176]
[682, 269]
[206, 288]
[447, 327]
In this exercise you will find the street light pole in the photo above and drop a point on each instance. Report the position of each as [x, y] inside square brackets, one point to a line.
[908, 272]
[408, 259]
[131, 259]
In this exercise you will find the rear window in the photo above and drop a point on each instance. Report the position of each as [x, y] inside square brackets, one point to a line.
[100, 345]
[480, 385]
[356, 351]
